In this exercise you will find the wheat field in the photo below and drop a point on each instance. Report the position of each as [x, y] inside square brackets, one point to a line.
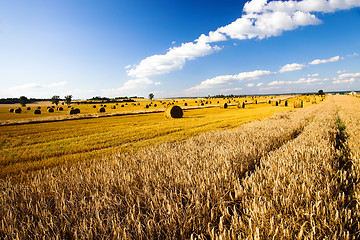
[293, 175]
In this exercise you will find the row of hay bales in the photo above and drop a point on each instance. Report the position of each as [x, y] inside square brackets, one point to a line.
[48, 109]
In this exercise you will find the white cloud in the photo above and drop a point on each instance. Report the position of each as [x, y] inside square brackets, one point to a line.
[157, 83]
[319, 61]
[313, 75]
[349, 75]
[250, 84]
[260, 19]
[229, 79]
[259, 84]
[292, 67]
[231, 89]
[213, 37]
[344, 81]
[174, 59]
[300, 81]
[340, 71]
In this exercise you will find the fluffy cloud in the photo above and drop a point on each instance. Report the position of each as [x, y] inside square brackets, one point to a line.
[260, 19]
[174, 59]
[313, 75]
[344, 81]
[229, 79]
[349, 75]
[346, 78]
[292, 67]
[250, 84]
[301, 81]
[230, 90]
[319, 61]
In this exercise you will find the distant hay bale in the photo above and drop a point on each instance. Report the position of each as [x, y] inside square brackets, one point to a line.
[269, 101]
[286, 103]
[225, 105]
[113, 107]
[276, 103]
[50, 110]
[47, 107]
[256, 101]
[18, 110]
[116, 104]
[52, 106]
[39, 107]
[77, 110]
[174, 112]
[122, 105]
[104, 105]
[206, 102]
[102, 109]
[37, 111]
[195, 101]
[94, 106]
[185, 104]
[69, 106]
[218, 101]
[147, 106]
[28, 108]
[73, 111]
[241, 105]
[155, 105]
[11, 110]
[298, 104]
[202, 104]
[60, 109]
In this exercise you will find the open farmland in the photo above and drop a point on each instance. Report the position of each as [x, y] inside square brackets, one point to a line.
[290, 176]
[36, 146]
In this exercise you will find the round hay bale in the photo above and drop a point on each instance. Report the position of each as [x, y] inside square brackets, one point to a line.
[60, 109]
[18, 110]
[174, 112]
[50, 110]
[104, 105]
[69, 106]
[122, 105]
[53, 107]
[256, 101]
[225, 105]
[77, 110]
[102, 109]
[202, 104]
[73, 111]
[39, 107]
[298, 104]
[155, 105]
[147, 106]
[286, 103]
[218, 101]
[47, 107]
[116, 104]
[185, 104]
[113, 107]
[94, 106]
[11, 110]
[37, 111]
[276, 103]
[28, 108]
[241, 105]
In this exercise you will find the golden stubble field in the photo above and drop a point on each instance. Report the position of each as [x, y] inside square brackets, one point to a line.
[293, 175]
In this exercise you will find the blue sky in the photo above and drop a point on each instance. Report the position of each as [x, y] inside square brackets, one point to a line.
[177, 48]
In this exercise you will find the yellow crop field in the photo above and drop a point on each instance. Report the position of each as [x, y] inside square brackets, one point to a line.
[36, 146]
[214, 174]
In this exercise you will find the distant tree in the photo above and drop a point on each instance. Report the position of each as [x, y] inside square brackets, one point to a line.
[321, 92]
[55, 100]
[68, 99]
[23, 100]
[151, 96]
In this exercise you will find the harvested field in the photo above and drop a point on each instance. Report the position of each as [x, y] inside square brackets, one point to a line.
[290, 176]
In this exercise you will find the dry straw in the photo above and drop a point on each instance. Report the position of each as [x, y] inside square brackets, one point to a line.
[225, 105]
[174, 112]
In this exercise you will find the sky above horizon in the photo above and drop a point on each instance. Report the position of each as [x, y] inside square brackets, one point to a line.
[177, 48]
